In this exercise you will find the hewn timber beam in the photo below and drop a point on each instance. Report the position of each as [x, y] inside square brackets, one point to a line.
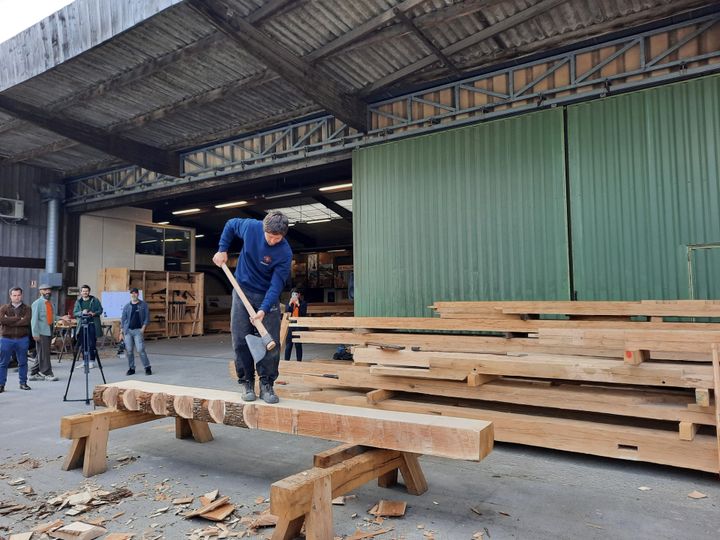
[447, 437]
[335, 207]
[458, 46]
[150, 157]
[312, 82]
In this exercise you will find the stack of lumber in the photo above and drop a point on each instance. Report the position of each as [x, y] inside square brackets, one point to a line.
[628, 380]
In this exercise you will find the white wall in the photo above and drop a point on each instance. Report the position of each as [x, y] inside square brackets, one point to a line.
[107, 240]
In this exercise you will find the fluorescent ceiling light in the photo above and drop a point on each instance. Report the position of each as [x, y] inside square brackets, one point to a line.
[279, 195]
[336, 187]
[187, 211]
[199, 236]
[318, 221]
[230, 204]
[336, 250]
[148, 241]
[174, 239]
[163, 223]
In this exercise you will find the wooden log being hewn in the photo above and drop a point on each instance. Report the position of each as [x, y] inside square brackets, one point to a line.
[446, 437]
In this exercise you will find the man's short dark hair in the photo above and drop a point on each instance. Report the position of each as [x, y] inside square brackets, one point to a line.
[276, 223]
[15, 289]
[86, 287]
[134, 290]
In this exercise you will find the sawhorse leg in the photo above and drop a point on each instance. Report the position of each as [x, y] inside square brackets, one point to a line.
[186, 428]
[307, 497]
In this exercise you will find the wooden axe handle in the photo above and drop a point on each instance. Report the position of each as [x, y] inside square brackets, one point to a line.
[248, 306]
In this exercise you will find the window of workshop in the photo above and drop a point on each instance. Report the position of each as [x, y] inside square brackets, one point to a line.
[149, 240]
[177, 250]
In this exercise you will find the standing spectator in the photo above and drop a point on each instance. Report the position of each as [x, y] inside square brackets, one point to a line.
[91, 307]
[134, 320]
[14, 337]
[41, 324]
[297, 307]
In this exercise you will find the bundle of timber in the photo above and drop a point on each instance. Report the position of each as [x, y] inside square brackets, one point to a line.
[629, 380]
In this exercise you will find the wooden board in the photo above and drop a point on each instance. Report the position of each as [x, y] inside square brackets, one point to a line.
[623, 442]
[580, 368]
[478, 344]
[657, 404]
[649, 308]
[452, 438]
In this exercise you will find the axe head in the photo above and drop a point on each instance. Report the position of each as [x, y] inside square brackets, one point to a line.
[257, 347]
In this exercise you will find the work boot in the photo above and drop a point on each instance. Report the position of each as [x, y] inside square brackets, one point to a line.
[130, 371]
[148, 370]
[2, 388]
[248, 391]
[267, 394]
[25, 387]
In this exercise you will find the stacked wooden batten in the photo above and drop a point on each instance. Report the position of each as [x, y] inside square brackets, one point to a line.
[628, 380]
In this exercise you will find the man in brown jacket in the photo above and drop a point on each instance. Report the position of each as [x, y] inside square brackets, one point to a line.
[14, 336]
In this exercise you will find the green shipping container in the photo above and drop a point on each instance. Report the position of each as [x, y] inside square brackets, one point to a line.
[477, 213]
[645, 193]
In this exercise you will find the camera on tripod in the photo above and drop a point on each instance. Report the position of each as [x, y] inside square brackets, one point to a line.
[85, 347]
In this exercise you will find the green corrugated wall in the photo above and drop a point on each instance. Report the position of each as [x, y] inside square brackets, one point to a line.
[645, 183]
[473, 213]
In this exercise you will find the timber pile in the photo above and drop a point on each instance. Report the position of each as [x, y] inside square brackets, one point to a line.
[628, 380]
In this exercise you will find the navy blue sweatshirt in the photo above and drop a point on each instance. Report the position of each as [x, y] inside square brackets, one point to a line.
[262, 268]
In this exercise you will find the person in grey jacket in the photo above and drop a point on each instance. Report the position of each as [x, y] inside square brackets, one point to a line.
[41, 322]
[134, 320]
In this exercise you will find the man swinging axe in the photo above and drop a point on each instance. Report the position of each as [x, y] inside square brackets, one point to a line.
[263, 269]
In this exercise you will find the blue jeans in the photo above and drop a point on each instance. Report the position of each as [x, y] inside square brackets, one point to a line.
[20, 348]
[134, 341]
[241, 326]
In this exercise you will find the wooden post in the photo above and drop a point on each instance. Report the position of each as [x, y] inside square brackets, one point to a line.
[307, 496]
[95, 458]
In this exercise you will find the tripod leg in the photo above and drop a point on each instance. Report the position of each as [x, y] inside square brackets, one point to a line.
[72, 368]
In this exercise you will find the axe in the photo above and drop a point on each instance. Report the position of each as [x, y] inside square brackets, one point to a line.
[258, 345]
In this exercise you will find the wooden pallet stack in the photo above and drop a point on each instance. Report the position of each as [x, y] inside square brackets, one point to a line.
[628, 380]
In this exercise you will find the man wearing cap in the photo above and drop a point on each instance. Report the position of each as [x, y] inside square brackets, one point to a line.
[262, 270]
[135, 318]
[41, 324]
[14, 337]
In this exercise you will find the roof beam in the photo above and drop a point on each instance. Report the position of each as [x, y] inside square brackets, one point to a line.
[363, 30]
[335, 207]
[150, 157]
[482, 35]
[267, 10]
[442, 57]
[313, 83]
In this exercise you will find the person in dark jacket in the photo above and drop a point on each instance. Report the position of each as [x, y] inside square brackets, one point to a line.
[135, 318]
[14, 337]
[297, 307]
[89, 306]
[262, 271]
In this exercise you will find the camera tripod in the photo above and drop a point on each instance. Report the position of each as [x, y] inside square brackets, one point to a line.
[83, 345]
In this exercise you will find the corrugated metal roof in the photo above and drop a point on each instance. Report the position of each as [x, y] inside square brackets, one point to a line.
[201, 92]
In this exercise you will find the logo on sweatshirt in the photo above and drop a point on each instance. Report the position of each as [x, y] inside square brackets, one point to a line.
[267, 259]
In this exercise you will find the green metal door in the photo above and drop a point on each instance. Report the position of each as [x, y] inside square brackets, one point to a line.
[644, 185]
[470, 214]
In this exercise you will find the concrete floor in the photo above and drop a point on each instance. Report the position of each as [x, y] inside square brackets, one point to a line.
[517, 492]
